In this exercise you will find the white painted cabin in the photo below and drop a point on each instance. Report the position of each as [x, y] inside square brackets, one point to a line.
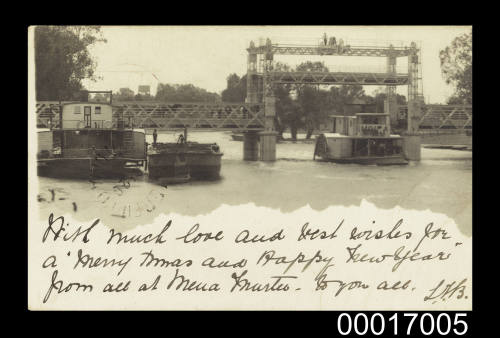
[83, 115]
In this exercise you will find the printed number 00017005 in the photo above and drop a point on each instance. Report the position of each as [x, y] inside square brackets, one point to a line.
[429, 323]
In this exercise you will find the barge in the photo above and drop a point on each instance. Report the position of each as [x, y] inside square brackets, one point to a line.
[203, 160]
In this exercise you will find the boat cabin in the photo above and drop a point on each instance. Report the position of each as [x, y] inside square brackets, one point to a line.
[344, 125]
[87, 115]
[362, 124]
[373, 124]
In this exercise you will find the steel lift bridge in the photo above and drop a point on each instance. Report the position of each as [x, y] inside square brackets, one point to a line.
[262, 76]
[255, 117]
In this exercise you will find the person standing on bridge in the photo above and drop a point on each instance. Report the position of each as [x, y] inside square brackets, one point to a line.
[155, 136]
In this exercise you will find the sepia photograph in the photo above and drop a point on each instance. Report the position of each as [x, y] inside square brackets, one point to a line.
[250, 167]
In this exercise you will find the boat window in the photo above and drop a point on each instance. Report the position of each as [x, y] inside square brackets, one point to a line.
[97, 110]
[76, 110]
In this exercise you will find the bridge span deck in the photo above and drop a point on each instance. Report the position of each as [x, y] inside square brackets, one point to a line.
[175, 115]
[231, 116]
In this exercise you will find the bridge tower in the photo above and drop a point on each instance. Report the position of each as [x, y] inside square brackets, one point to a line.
[260, 92]
[415, 93]
[253, 78]
[390, 103]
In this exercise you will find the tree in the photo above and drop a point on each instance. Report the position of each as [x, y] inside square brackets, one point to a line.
[286, 111]
[338, 96]
[310, 99]
[143, 97]
[63, 60]
[380, 97]
[456, 67]
[184, 93]
[100, 97]
[236, 90]
[125, 94]
[455, 100]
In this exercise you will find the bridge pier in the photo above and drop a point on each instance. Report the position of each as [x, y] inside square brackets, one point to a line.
[251, 146]
[269, 135]
[259, 146]
[268, 145]
[411, 147]
[414, 114]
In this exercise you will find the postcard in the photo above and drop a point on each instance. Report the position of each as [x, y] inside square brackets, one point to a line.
[250, 168]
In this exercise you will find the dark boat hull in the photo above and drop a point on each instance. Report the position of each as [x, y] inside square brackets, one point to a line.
[174, 180]
[369, 160]
[201, 165]
[83, 168]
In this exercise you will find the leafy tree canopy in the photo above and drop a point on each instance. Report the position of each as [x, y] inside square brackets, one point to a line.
[456, 68]
[236, 90]
[62, 60]
[184, 93]
[124, 94]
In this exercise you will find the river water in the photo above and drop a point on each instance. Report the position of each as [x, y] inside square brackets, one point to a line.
[441, 182]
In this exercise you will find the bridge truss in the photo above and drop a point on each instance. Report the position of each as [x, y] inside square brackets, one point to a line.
[347, 50]
[232, 117]
[337, 78]
[446, 117]
[161, 115]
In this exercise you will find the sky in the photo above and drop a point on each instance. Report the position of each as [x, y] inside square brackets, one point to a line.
[205, 55]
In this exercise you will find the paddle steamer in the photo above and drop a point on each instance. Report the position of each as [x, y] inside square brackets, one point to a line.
[362, 138]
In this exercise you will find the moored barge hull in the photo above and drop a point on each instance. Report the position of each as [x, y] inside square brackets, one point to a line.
[82, 168]
[201, 166]
[383, 160]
